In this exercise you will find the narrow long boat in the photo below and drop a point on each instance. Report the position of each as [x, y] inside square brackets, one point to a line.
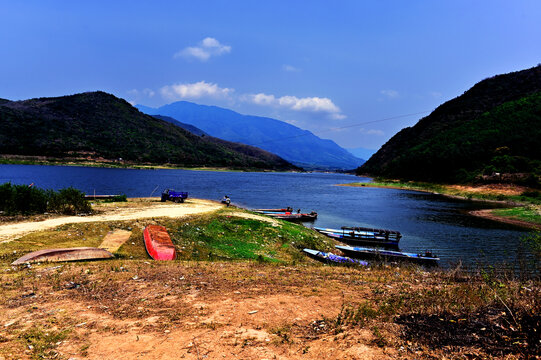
[367, 236]
[68, 254]
[274, 210]
[295, 216]
[158, 243]
[368, 253]
[333, 258]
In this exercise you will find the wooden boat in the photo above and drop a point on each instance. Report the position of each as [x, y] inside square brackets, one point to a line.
[367, 236]
[69, 254]
[332, 258]
[295, 216]
[158, 243]
[263, 211]
[369, 253]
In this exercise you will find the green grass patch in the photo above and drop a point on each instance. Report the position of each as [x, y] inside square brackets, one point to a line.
[42, 342]
[224, 237]
[524, 213]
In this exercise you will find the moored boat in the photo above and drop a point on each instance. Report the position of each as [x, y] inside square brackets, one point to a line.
[283, 210]
[158, 243]
[295, 216]
[426, 258]
[67, 254]
[333, 258]
[367, 236]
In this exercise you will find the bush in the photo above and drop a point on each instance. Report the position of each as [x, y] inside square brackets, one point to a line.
[117, 198]
[70, 201]
[27, 200]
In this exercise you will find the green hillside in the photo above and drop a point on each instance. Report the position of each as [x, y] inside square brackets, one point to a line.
[495, 127]
[97, 124]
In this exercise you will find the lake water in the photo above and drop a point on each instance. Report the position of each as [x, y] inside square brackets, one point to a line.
[426, 221]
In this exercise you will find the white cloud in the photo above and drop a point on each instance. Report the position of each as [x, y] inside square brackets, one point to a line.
[261, 99]
[435, 94]
[194, 91]
[310, 104]
[290, 68]
[207, 48]
[391, 94]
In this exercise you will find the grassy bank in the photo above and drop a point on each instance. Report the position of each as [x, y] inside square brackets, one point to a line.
[530, 214]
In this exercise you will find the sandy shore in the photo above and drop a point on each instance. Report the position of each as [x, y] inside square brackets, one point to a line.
[133, 209]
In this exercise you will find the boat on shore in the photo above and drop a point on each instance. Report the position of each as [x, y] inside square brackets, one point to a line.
[67, 254]
[426, 258]
[158, 243]
[333, 258]
[359, 235]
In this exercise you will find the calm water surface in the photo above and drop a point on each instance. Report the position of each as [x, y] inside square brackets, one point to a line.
[426, 221]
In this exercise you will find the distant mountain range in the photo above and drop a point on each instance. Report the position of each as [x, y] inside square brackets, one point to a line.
[493, 128]
[98, 125]
[298, 146]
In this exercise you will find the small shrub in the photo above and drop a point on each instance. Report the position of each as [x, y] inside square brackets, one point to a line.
[117, 198]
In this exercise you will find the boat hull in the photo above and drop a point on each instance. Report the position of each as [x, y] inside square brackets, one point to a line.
[295, 217]
[331, 258]
[387, 255]
[158, 243]
[60, 255]
[360, 238]
[363, 241]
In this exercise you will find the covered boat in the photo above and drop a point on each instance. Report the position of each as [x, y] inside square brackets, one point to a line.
[426, 258]
[332, 258]
[158, 243]
[359, 235]
[68, 254]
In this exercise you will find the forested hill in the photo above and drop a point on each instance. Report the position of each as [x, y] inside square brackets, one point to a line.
[495, 127]
[98, 124]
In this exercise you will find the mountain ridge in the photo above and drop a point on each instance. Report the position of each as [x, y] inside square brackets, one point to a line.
[296, 145]
[103, 125]
[487, 107]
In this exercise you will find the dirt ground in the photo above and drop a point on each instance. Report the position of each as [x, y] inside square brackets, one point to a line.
[496, 189]
[189, 311]
[133, 209]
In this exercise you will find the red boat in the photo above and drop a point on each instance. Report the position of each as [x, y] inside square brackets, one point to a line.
[158, 243]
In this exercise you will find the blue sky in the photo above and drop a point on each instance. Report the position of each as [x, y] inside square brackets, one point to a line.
[320, 65]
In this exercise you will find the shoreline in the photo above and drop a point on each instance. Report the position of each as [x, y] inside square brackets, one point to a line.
[485, 213]
[111, 165]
